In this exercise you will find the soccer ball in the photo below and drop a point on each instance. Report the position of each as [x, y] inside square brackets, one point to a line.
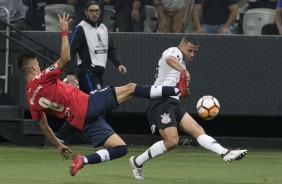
[208, 107]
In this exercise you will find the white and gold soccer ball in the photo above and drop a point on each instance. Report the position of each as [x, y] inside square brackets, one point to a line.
[208, 107]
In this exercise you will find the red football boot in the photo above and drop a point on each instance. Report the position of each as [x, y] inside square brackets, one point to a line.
[77, 164]
[182, 85]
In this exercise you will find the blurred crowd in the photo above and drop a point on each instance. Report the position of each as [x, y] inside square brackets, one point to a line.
[163, 16]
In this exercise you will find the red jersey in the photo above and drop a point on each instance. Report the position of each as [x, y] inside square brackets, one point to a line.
[46, 93]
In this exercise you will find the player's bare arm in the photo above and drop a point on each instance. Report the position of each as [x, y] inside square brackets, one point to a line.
[64, 21]
[48, 132]
[173, 63]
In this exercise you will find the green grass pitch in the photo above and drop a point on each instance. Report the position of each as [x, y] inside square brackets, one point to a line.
[26, 165]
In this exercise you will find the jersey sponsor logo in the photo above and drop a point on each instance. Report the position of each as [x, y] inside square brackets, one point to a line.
[178, 58]
[165, 118]
[101, 51]
[34, 94]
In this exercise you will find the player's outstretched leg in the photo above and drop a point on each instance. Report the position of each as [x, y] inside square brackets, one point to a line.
[137, 162]
[228, 155]
[148, 91]
[233, 155]
[102, 155]
[136, 171]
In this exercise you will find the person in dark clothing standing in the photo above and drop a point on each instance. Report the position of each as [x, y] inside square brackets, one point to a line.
[130, 15]
[79, 7]
[215, 17]
[92, 46]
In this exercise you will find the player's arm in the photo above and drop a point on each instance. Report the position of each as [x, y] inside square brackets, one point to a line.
[173, 63]
[48, 132]
[76, 42]
[65, 46]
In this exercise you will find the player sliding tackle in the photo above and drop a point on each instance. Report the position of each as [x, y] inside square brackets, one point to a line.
[166, 114]
[46, 93]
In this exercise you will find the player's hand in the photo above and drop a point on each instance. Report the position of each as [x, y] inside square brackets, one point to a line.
[187, 76]
[64, 21]
[65, 152]
[188, 91]
[122, 69]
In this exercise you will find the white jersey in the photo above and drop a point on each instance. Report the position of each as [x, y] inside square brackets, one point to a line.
[166, 75]
[97, 41]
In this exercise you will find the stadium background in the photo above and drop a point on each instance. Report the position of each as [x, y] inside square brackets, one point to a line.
[242, 72]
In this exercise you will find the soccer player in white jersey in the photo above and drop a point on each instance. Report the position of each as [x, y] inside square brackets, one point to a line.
[166, 115]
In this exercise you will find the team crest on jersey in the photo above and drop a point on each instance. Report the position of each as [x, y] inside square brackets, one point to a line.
[165, 118]
[178, 58]
[51, 68]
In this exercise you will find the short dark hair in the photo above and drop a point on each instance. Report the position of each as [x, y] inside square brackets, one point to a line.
[91, 2]
[189, 38]
[24, 59]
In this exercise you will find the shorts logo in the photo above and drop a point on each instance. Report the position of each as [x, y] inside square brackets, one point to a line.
[165, 118]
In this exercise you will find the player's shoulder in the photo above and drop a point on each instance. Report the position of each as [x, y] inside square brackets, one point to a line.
[173, 51]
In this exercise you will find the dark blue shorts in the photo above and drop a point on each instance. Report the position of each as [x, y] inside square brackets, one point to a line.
[95, 126]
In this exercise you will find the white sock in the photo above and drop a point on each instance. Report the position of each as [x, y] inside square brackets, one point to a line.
[104, 154]
[209, 143]
[155, 150]
[157, 91]
[85, 160]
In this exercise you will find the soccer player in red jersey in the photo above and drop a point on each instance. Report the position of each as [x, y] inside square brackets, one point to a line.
[46, 93]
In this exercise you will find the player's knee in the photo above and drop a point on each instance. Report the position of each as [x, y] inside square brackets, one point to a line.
[171, 143]
[118, 151]
[121, 150]
[197, 131]
[131, 87]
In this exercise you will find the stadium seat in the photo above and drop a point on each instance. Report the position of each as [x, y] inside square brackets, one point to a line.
[109, 18]
[150, 23]
[51, 18]
[255, 19]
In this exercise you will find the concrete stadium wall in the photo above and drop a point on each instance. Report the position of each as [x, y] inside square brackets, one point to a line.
[242, 72]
